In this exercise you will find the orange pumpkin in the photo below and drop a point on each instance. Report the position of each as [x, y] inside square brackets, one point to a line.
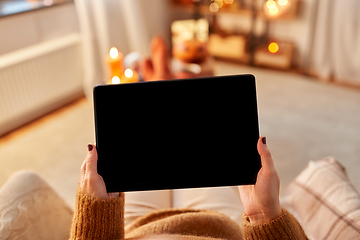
[191, 51]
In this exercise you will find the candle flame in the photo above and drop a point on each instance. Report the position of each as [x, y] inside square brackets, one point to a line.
[114, 53]
[273, 47]
[128, 73]
[115, 80]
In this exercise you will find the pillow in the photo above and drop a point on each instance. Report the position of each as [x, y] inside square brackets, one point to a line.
[324, 201]
[31, 209]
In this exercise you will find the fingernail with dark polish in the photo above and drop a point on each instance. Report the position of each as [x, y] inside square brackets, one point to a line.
[263, 140]
[90, 147]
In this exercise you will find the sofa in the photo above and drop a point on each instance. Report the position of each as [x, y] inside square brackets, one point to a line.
[321, 197]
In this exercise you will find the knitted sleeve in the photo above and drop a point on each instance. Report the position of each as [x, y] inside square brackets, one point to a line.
[96, 218]
[283, 227]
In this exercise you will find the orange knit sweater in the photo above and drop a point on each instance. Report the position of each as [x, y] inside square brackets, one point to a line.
[104, 219]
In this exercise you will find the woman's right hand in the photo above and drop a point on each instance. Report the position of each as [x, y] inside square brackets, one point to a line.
[261, 201]
[91, 183]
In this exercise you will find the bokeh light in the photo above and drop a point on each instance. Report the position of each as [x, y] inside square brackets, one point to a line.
[115, 80]
[282, 2]
[273, 11]
[220, 3]
[214, 7]
[114, 53]
[128, 73]
[271, 4]
[273, 47]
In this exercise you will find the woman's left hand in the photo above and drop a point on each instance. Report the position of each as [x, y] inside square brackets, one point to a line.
[91, 183]
[261, 201]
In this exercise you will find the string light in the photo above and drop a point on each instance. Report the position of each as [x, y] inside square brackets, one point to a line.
[273, 11]
[273, 47]
[220, 3]
[270, 4]
[214, 7]
[282, 2]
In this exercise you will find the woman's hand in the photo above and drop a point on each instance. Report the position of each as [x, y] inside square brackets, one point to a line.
[261, 201]
[91, 183]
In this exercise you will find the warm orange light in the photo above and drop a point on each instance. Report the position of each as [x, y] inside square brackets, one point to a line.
[273, 47]
[114, 53]
[115, 80]
[214, 7]
[273, 11]
[282, 2]
[128, 73]
[270, 4]
[220, 3]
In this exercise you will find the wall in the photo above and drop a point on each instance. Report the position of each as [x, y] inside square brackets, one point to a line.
[40, 64]
[132, 25]
[29, 28]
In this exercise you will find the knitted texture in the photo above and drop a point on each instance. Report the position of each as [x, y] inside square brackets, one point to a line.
[283, 227]
[99, 219]
[201, 223]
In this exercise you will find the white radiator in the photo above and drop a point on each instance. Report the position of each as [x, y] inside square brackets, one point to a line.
[38, 79]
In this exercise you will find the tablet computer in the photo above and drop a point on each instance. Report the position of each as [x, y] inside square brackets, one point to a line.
[171, 134]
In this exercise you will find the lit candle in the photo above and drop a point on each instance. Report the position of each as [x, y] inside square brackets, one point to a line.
[114, 61]
[115, 80]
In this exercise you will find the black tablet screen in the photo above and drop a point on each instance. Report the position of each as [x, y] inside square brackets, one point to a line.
[177, 133]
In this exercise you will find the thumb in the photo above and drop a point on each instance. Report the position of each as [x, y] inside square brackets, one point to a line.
[91, 159]
[265, 155]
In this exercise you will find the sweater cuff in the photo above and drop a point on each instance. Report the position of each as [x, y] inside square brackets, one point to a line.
[283, 227]
[96, 218]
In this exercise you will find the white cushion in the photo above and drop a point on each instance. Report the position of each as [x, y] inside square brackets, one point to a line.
[31, 209]
[324, 201]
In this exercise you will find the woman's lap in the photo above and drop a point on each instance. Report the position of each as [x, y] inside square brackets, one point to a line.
[225, 200]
